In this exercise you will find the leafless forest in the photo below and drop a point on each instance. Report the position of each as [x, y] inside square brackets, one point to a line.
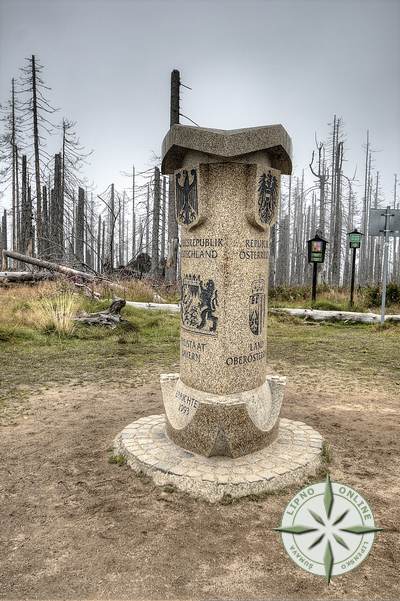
[51, 211]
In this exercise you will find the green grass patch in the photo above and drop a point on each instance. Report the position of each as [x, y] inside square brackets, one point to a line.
[117, 460]
[148, 343]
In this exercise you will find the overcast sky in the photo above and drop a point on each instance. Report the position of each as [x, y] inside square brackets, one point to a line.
[249, 63]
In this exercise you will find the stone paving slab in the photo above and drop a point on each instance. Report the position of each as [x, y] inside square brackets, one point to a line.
[295, 455]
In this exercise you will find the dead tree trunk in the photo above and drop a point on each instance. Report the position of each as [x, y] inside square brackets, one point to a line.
[37, 158]
[45, 224]
[133, 214]
[50, 266]
[110, 317]
[147, 239]
[13, 148]
[173, 244]
[111, 229]
[17, 277]
[163, 215]
[18, 208]
[26, 210]
[156, 223]
[322, 175]
[364, 220]
[80, 225]
[98, 262]
[3, 234]
[337, 218]
[103, 246]
[282, 267]
[57, 213]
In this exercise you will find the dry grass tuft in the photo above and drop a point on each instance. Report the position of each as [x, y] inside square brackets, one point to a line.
[131, 290]
[49, 306]
[56, 314]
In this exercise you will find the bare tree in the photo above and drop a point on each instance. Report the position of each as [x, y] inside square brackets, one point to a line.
[322, 175]
[37, 111]
[133, 214]
[73, 158]
[337, 217]
[10, 140]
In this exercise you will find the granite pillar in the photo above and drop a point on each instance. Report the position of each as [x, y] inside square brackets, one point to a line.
[227, 186]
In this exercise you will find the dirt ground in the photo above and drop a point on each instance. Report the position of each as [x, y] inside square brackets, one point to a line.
[74, 526]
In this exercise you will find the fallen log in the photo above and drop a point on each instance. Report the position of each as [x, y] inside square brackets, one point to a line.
[68, 271]
[346, 316]
[109, 317]
[25, 276]
[168, 307]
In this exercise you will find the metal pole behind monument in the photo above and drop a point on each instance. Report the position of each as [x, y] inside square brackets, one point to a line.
[385, 263]
[314, 282]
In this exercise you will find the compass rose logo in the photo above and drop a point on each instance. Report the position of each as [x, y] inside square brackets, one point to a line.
[328, 529]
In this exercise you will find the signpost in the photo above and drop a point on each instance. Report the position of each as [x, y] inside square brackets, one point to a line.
[316, 254]
[386, 223]
[354, 243]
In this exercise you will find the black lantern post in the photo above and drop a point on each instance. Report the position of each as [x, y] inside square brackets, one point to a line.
[354, 243]
[316, 254]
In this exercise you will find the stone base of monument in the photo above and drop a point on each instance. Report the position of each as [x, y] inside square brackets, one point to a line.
[290, 459]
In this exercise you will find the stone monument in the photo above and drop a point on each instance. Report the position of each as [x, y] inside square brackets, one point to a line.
[221, 433]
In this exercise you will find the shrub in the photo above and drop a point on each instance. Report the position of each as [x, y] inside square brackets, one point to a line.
[393, 293]
[373, 293]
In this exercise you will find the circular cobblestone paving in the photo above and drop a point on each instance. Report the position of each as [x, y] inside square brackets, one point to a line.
[295, 455]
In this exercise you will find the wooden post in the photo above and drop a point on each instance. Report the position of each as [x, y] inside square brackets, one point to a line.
[175, 87]
[314, 282]
[172, 260]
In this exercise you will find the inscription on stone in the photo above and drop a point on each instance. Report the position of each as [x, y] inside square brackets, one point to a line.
[192, 350]
[256, 353]
[199, 304]
[254, 249]
[200, 248]
[186, 402]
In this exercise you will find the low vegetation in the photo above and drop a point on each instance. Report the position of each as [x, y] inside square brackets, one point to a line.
[366, 299]
[41, 345]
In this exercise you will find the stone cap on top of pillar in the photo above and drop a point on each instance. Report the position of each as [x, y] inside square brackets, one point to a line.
[227, 144]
